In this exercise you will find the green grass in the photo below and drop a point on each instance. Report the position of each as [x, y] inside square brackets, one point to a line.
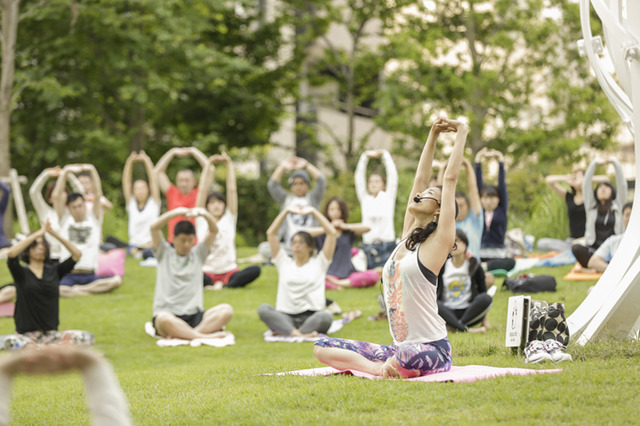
[207, 385]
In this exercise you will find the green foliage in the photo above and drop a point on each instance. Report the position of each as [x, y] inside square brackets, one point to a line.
[348, 69]
[256, 209]
[516, 76]
[206, 385]
[101, 78]
[549, 218]
[116, 223]
[524, 189]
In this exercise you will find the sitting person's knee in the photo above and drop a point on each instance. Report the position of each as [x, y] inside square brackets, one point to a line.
[117, 281]
[325, 321]
[162, 318]
[318, 351]
[484, 299]
[226, 310]
[264, 309]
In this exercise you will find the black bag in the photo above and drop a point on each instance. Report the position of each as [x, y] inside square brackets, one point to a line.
[547, 321]
[530, 284]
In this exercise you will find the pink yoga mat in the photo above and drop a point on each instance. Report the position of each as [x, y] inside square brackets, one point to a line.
[6, 309]
[461, 374]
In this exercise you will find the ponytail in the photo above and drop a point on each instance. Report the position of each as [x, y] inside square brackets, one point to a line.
[419, 235]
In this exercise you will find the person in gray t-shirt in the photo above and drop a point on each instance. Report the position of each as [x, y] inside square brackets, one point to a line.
[178, 301]
[301, 196]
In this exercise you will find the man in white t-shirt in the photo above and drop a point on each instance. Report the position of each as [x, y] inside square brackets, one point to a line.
[178, 300]
[84, 230]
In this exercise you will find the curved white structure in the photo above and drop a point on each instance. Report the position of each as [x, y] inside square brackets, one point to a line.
[612, 309]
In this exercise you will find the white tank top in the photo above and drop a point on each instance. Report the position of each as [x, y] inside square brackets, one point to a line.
[411, 300]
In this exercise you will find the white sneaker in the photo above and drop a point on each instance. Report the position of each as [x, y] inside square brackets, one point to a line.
[536, 352]
[556, 351]
[334, 308]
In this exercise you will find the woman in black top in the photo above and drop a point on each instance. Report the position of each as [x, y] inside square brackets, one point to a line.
[37, 286]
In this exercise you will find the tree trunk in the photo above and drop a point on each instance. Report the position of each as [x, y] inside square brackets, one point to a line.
[137, 119]
[351, 116]
[10, 9]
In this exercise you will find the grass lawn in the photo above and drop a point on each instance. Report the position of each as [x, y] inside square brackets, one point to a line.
[204, 385]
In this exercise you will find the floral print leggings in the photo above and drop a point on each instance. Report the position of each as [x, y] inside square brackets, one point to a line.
[426, 358]
[14, 342]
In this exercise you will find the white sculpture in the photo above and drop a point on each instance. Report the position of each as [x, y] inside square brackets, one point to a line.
[612, 309]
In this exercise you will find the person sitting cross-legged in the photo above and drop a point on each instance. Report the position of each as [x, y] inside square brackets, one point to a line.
[185, 190]
[37, 284]
[221, 266]
[83, 229]
[300, 301]
[462, 292]
[178, 299]
[602, 257]
[420, 344]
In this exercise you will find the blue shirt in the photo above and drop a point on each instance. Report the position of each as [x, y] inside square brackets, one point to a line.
[472, 225]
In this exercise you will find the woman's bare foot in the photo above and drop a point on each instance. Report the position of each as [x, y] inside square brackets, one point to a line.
[489, 279]
[340, 283]
[389, 368]
[351, 315]
[297, 333]
[480, 330]
[486, 324]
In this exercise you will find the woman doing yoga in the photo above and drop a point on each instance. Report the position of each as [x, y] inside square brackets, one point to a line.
[420, 345]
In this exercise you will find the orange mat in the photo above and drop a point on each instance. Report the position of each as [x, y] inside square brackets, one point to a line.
[578, 273]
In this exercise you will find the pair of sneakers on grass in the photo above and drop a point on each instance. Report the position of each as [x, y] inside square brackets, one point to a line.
[549, 350]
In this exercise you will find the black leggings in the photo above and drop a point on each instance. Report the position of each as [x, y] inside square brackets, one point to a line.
[238, 279]
[460, 319]
[504, 263]
[244, 277]
[583, 254]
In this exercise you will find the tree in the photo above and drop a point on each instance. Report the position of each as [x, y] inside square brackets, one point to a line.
[109, 76]
[511, 67]
[348, 69]
[10, 16]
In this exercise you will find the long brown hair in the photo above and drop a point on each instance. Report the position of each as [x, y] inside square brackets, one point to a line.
[344, 210]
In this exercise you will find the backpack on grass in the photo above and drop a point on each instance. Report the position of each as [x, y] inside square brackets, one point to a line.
[528, 283]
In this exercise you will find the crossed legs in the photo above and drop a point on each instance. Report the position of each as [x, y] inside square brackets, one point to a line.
[404, 360]
[101, 285]
[7, 294]
[213, 320]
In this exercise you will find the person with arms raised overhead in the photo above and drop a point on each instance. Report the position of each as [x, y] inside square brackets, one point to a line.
[185, 191]
[220, 264]
[178, 299]
[603, 207]
[377, 204]
[420, 343]
[142, 201]
[342, 272]
[301, 195]
[569, 187]
[604, 254]
[300, 302]
[84, 230]
[37, 285]
[43, 205]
